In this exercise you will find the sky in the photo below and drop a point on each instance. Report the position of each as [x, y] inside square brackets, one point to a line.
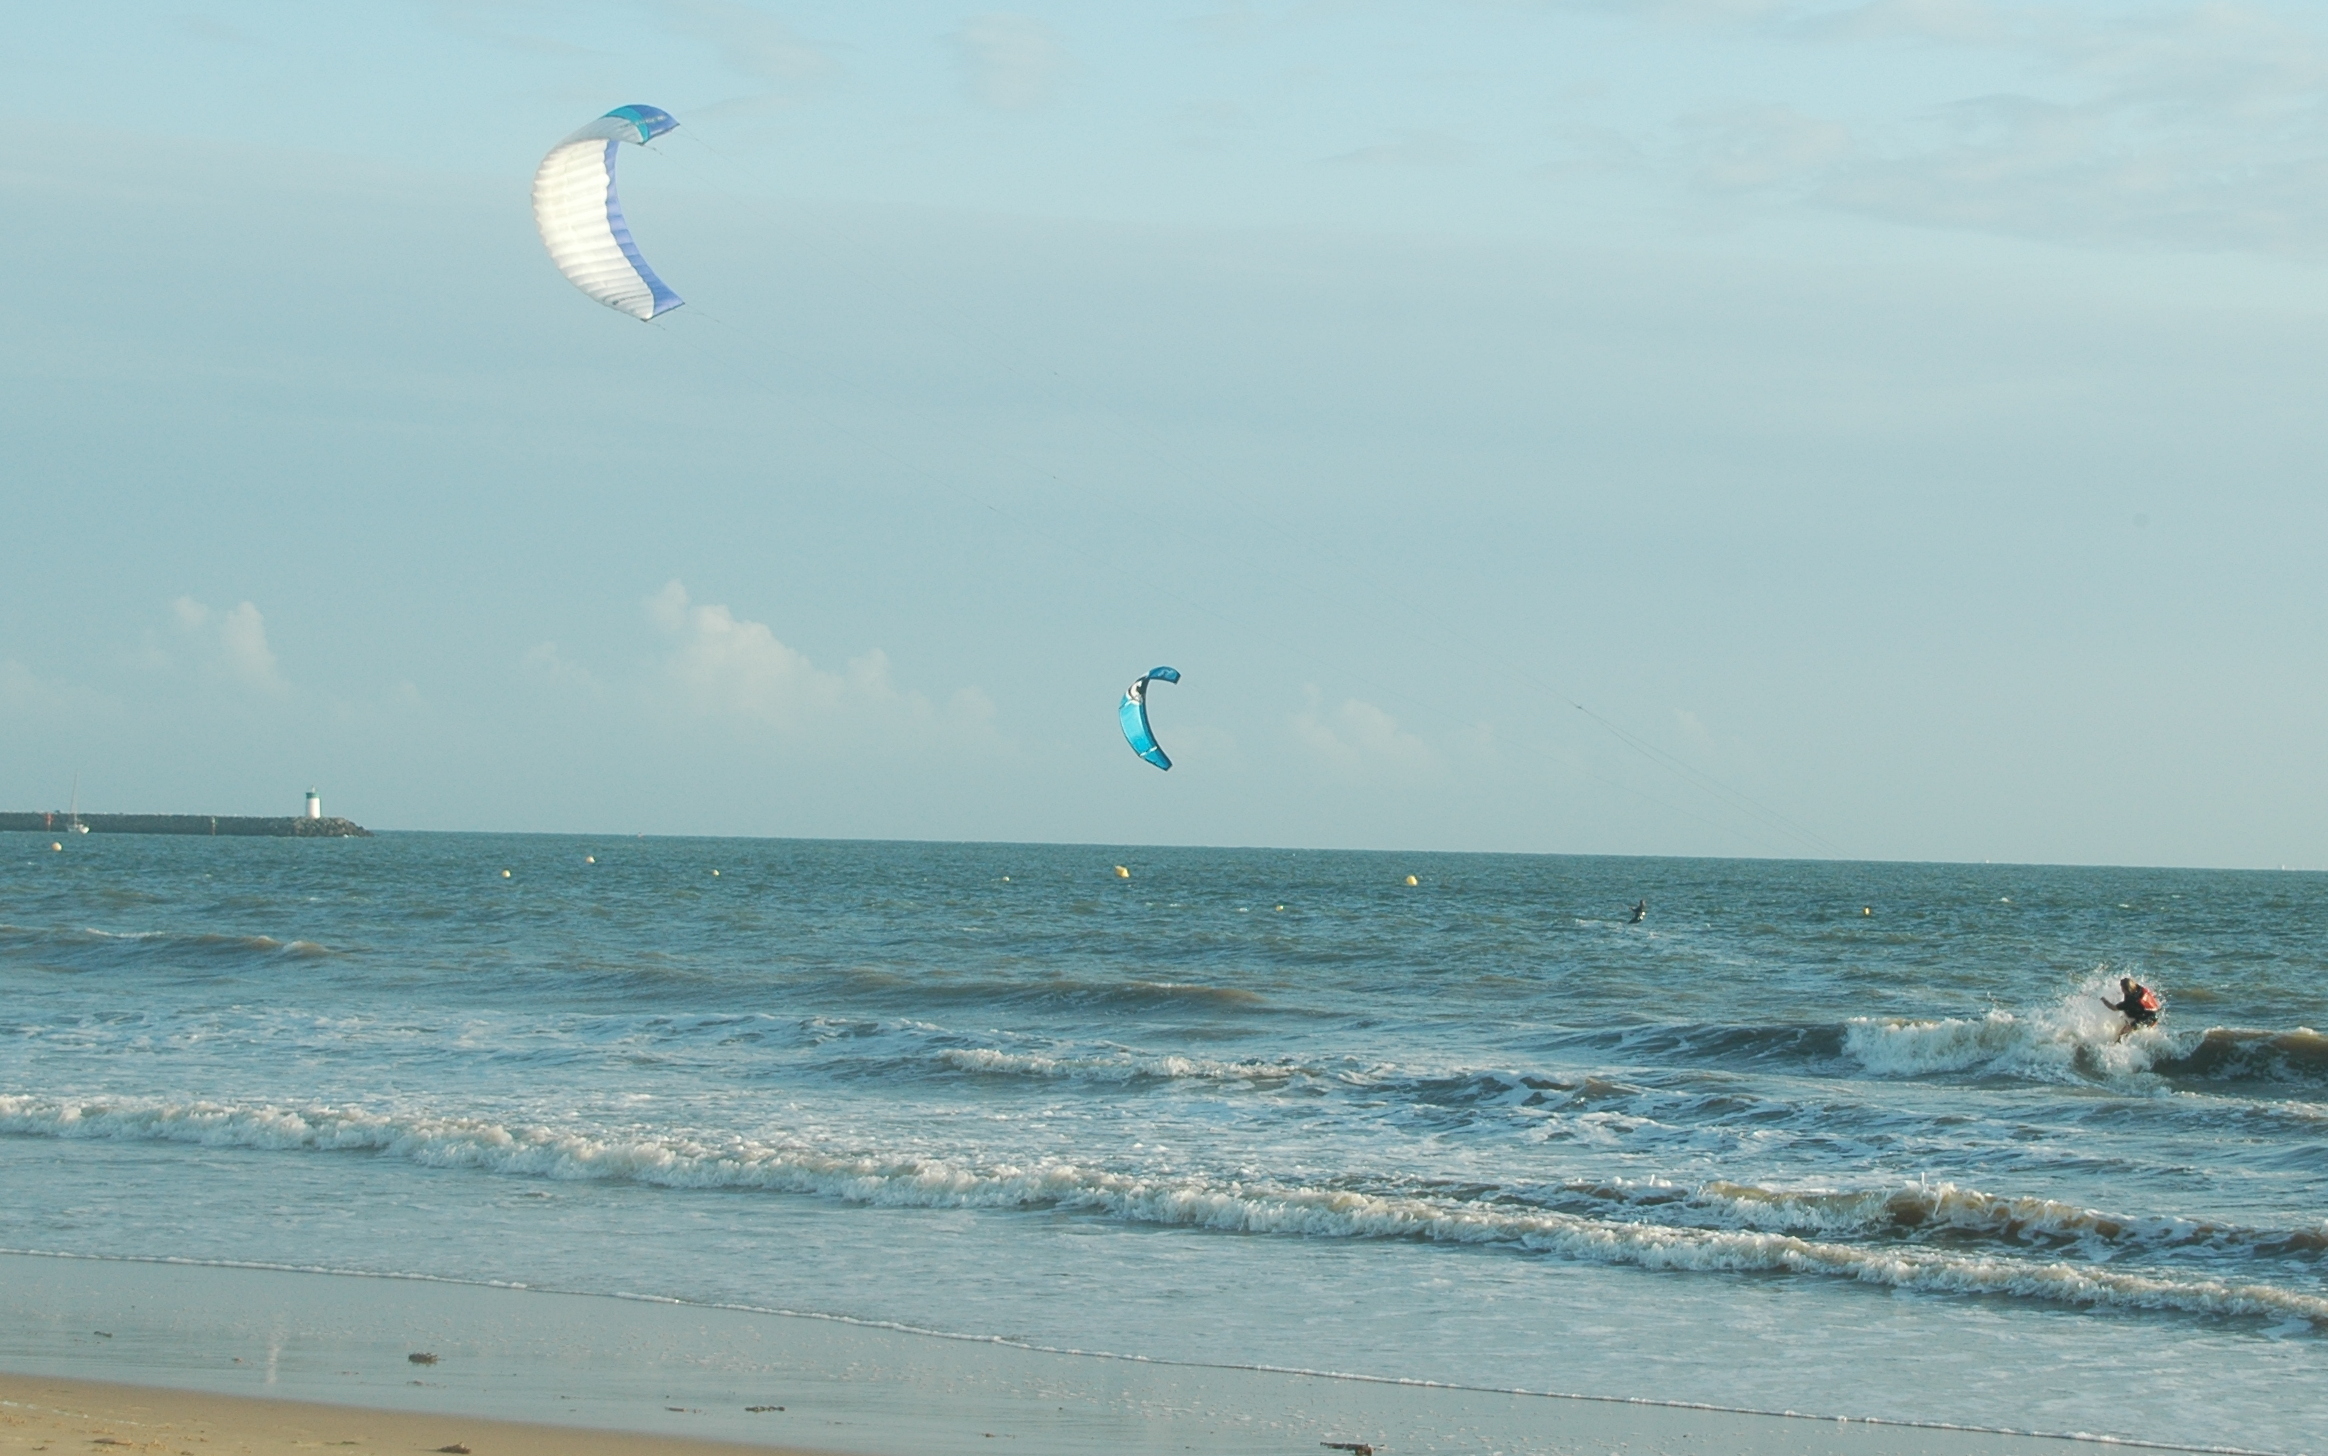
[1727, 427]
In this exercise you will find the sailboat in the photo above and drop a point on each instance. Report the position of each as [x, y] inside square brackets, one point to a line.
[73, 813]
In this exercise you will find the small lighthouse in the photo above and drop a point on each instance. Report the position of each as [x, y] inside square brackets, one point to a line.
[314, 805]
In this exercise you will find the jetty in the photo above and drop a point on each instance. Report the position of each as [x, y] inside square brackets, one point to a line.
[284, 826]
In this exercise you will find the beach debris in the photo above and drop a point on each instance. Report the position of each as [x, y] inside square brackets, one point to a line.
[102, 1334]
[1356, 1448]
[458, 1448]
[757, 1409]
[422, 1357]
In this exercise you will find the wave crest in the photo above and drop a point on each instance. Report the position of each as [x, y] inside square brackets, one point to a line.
[1119, 1067]
[912, 1180]
[2078, 1039]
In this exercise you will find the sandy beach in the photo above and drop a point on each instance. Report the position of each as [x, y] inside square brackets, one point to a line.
[108, 1354]
[43, 1413]
[39, 1413]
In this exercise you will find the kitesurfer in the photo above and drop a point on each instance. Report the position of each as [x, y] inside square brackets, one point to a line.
[2136, 1002]
[1640, 912]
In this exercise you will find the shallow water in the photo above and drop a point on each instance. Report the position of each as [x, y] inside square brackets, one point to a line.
[1850, 1138]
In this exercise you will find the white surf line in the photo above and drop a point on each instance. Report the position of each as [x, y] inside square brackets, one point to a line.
[1164, 1362]
[1190, 1201]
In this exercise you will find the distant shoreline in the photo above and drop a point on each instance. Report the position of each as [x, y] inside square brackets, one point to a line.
[287, 826]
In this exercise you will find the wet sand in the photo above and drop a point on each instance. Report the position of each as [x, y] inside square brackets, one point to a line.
[111, 1355]
[41, 1413]
[46, 1413]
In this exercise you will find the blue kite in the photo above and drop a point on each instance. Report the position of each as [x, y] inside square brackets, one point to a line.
[1134, 713]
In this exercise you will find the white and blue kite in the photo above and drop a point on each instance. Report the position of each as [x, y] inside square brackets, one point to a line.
[1134, 713]
[581, 218]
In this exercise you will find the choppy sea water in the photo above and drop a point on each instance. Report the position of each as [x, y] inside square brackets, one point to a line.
[1244, 1106]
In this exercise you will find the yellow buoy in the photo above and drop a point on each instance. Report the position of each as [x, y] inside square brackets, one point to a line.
[505, 874]
[715, 874]
[1412, 880]
[1281, 907]
[1122, 873]
[55, 845]
[1867, 909]
[590, 859]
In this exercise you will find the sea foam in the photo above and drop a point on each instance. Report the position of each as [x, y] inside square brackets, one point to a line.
[2075, 1039]
[1258, 1207]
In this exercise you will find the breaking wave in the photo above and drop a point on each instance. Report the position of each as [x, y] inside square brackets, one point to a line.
[207, 947]
[2080, 1040]
[1946, 1209]
[1723, 1228]
[2220, 1054]
[1123, 1066]
[1076, 991]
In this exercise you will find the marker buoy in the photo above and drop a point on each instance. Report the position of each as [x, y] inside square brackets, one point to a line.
[1867, 909]
[1122, 873]
[1412, 880]
[715, 874]
[53, 844]
[590, 859]
[505, 874]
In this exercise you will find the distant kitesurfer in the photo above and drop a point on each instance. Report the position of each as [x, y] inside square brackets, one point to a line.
[1640, 912]
[2136, 1002]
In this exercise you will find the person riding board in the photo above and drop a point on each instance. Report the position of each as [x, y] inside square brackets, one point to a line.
[2136, 1002]
[1640, 913]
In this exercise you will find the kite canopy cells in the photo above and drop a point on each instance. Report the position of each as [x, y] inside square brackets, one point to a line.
[1134, 713]
[581, 218]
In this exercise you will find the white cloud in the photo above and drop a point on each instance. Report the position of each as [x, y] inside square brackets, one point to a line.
[2198, 124]
[1757, 148]
[721, 666]
[1958, 22]
[750, 42]
[1359, 739]
[1694, 732]
[546, 663]
[1422, 149]
[230, 646]
[1010, 62]
[725, 666]
[21, 688]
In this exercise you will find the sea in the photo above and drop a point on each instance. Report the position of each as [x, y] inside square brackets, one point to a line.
[1848, 1139]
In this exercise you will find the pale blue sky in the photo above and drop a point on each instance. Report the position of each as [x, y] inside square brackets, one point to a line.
[1903, 420]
